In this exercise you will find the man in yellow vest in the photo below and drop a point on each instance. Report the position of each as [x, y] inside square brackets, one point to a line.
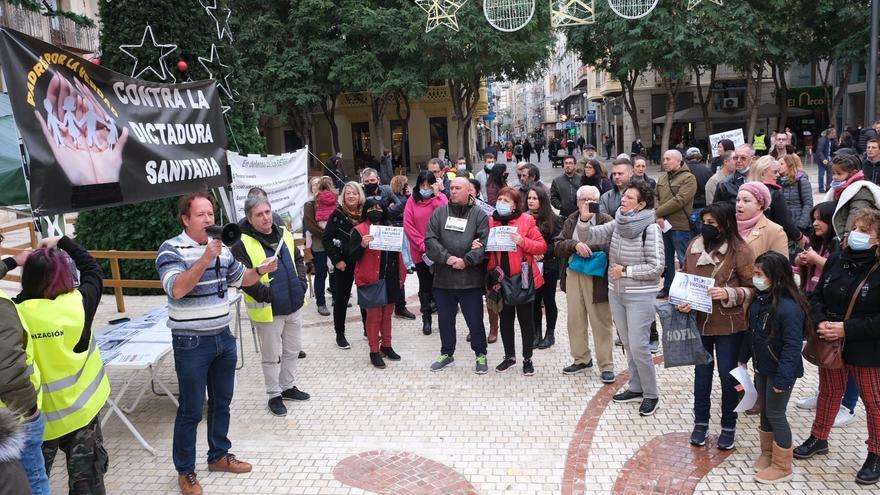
[196, 273]
[57, 310]
[459, 169]
[19, 383]
[759, 143]
[274, 304]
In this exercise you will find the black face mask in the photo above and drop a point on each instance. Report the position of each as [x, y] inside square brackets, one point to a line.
[371, 189]
[710, 233]
[374, 216]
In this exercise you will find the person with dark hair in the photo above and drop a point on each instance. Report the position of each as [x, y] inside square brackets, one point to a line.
[594, 175]
[635, 264]
[483, 175]
[850, 191]
[563, 189]
[51, 301]
[721, 254]
[724, 146]
[273, 304]
[778, 318]
[496, 181]
[196, 273]
[621, 175]
[550, 225]
[337, 240]
[846, 305]
[416, 215]
[871, 163]
[723, 172]
[640, 171]
[20, 398]
[823, 158]
[529, 243]
[371, 266]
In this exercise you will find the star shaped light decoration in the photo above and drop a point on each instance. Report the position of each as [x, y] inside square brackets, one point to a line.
[694, 3]
[218, 71]
[134, 51]
[212, 11]
[441, 13]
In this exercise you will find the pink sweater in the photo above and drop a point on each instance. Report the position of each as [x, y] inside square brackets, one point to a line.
[416, 215]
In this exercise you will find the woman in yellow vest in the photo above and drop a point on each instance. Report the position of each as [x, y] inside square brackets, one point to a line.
[58, 314]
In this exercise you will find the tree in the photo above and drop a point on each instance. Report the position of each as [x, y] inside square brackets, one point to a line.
[465, 58]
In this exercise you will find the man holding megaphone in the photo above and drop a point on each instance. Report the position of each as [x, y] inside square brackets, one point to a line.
[196, 270]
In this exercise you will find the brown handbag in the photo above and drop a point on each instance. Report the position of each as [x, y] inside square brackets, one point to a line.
[829, 354]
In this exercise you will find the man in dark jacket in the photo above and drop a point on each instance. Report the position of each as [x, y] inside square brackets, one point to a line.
[823, 158]
[274, 303]
[563, 189]
[455, 243]
[728, 188]
[871, 165]
[695, 163]
[867, 135]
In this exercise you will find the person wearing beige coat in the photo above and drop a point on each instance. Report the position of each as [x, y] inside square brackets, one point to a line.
[760, 234]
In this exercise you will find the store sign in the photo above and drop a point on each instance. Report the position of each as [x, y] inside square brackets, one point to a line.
[808, 97]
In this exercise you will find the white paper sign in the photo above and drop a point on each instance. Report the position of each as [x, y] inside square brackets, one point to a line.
[751, 395]
[486, 207]
[500, 240]
[691, 289]
[283, 177]
[386, 238]
[735, 135]
[666, 226]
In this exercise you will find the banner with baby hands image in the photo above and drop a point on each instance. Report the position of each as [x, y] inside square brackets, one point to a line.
[97, 138]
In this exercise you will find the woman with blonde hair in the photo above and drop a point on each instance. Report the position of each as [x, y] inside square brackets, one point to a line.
[797, 191]
[767, 171]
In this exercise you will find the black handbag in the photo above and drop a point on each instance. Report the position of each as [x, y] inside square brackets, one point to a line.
[372, 295]
[519, 289]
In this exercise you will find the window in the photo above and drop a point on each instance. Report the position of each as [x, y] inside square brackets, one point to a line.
[360, 135]
[439, 129]
[399, 143]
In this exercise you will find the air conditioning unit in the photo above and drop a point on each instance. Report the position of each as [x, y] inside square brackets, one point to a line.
[729, 103]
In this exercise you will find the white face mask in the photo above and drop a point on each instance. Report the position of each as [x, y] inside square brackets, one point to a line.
[760, 283]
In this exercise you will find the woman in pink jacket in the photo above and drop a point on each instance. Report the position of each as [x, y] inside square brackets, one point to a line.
[421, 205]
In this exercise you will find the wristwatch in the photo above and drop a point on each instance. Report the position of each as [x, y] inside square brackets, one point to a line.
[257, 269]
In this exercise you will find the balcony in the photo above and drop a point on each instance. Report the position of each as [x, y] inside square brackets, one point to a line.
[59, 31]
[582, 77]
[610, 88]
[67, 34]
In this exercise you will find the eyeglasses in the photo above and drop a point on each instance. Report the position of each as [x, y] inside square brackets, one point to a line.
[375, 198]
[740, 158]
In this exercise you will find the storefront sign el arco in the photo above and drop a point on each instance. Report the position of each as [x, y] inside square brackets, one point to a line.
[808, 97]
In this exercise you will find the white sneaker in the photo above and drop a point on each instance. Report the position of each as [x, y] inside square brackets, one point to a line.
[844, 417]
[808, 403]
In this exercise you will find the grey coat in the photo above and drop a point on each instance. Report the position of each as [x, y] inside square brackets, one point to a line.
[799, 199]
[643, 260]
[441, 243]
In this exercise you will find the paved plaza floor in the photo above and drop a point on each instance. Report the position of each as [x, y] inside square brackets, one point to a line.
[406, 430]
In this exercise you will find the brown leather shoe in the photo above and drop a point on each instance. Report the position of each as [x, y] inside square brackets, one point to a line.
[189, 484]
[229, 464]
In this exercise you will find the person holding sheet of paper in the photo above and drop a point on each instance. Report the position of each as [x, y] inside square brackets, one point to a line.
[778, 318]
[521, 262]
[720, 253]
[370, 267]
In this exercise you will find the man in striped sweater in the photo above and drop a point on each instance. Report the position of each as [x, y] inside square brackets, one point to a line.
[196, 272]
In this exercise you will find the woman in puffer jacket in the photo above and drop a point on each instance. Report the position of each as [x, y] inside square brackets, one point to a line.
[797, 191]
[635, 264]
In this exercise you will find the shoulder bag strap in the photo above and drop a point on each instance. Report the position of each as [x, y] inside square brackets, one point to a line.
[855, 296]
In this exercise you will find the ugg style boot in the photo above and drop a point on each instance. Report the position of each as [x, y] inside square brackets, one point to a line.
[780, 467]
[763, 461]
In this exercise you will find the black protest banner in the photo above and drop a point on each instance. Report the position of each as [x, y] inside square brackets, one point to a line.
[99, 138]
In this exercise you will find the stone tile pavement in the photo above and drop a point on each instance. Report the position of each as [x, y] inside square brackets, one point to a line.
[405, 430]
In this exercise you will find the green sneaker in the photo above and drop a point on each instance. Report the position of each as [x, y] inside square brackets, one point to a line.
[481, 368]
[442, 362]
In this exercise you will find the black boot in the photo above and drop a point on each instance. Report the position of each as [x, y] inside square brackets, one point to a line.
[537, 341]
[425, 309]
[426, 324]
[548, 340]
[870, 472]
[376, 359]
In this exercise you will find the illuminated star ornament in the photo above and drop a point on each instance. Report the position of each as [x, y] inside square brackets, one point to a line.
[218, 71]
[441, 13]
[694, 3]
[212, 11]
[139, 51]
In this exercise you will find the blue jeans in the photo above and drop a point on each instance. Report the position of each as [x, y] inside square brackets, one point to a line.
[824, 177]
[675, 243]
[203, 362]
[471, 303]
[725, 349]
[851, 395]
[32, 456]
[320, 262]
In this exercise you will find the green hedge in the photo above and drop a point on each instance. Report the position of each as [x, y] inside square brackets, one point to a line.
[139, 227]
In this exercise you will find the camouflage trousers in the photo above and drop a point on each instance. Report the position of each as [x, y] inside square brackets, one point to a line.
[86, 458]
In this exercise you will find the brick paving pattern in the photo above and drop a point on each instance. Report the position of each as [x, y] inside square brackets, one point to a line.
[400, 473]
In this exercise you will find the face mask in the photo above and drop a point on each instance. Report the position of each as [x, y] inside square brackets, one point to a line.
[462, 166]
[489, 166]
[503, 209]
[837, 183]
[371, 189]
[426, 193]
[374, 216]
[858, 241]
[710, 233]
[760, 283]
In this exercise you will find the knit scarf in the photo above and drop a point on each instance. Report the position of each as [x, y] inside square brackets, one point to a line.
[631, 225]
[839, 189]
[745, 226]
[353, 216]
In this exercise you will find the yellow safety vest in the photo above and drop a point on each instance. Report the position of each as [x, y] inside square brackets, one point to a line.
[74, 384]
[257, 311]
[452, 175]
[758, 143]
[29, 357]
